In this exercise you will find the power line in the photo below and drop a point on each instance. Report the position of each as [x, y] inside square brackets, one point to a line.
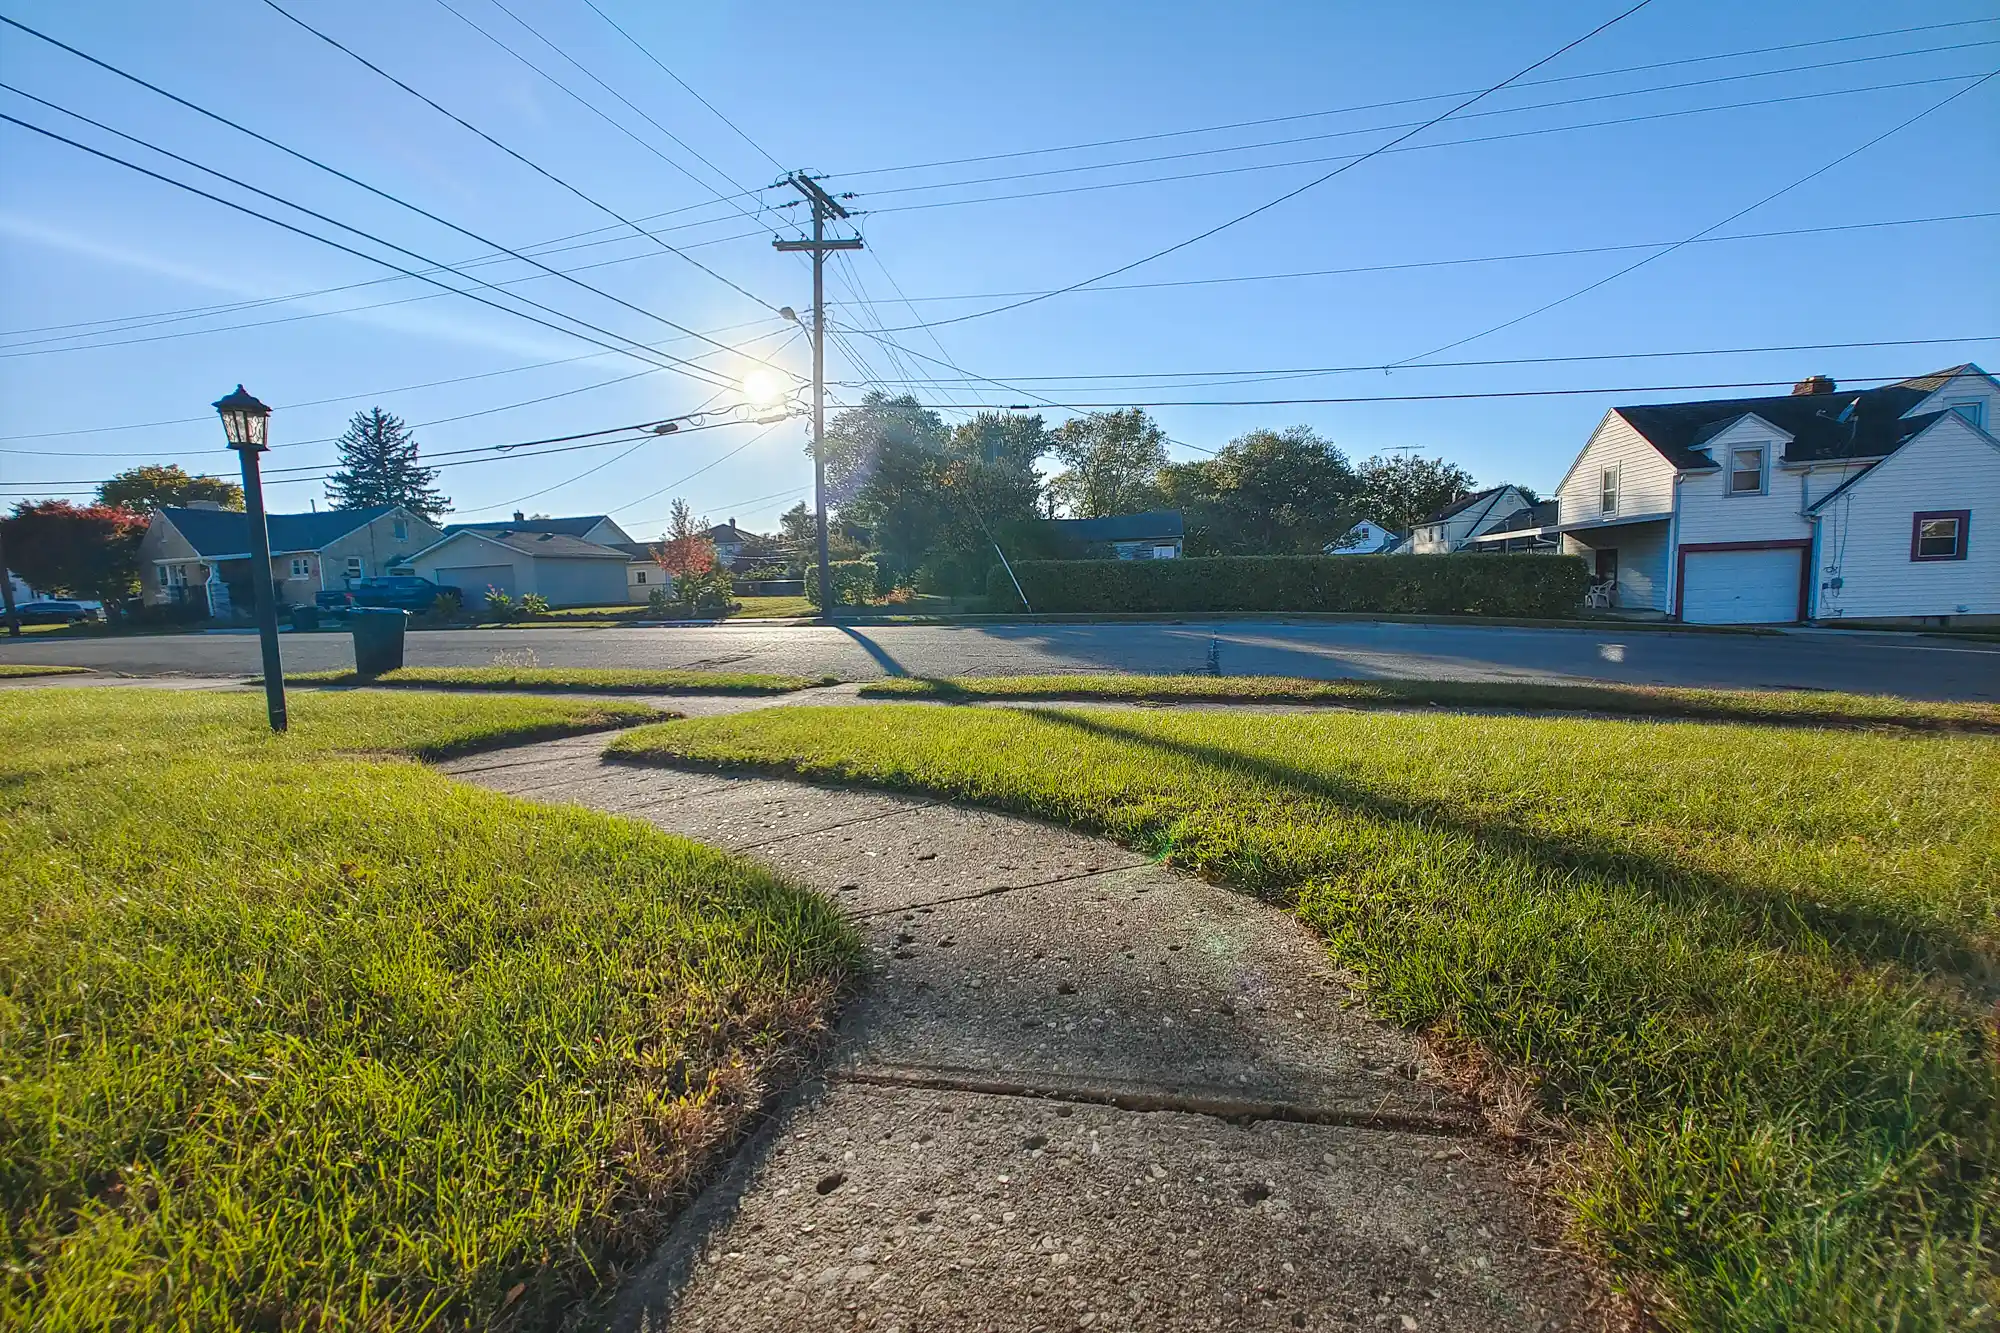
[334, 171]
[313, 402]
[1498, 111]
[449, 8]
[1447, 263]
[525, 161]
[31, 348]
[1303, 371]
[1354, 159]
[1403, 101]
[1295, 193]
[651, 495]
[661, 360]
[277, 222]
[1716, 226]
[643, 50]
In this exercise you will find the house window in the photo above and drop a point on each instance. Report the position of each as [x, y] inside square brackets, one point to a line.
[401, 529]
[163, 576]
[354, 566]
[638, 576]
[1746, 471]
[1607, 492]
[301, 567]
[1972, 409]
[1940, 534]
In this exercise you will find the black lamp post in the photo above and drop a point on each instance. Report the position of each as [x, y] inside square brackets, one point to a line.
[246, 421]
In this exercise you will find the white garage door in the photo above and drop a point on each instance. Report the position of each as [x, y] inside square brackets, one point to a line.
[1741, 587]
[474, 580]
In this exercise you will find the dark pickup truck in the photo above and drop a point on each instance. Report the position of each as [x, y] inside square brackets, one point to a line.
[403, 591]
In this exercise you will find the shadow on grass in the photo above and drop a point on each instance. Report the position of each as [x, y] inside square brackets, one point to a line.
[1765, 913]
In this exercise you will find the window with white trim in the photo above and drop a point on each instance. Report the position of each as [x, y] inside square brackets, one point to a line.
[354, 566]
[301, 567]
[1972, 409]
[1607, 492]
[401, 529]
[1746, 470]
[163, 576]
[638, 576]
[1939, 534]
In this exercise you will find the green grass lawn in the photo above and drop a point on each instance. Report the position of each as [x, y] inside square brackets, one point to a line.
[1790, 706]
[17, 671]
[297, 1034]
[603, 679]
[773, 608]
[1751, 968]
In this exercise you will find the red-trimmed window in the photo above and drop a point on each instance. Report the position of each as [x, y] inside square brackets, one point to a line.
[1940, 534]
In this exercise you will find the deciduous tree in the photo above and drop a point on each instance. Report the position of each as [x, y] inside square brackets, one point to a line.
[157, 485]
[1112, 462]
[378, 466]
[1266, 492]
[90, 552]
[1397, 491]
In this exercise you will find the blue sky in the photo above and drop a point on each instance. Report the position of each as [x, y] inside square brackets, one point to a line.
[865, 95]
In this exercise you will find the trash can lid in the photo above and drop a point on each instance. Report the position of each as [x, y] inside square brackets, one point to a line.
[378, 611]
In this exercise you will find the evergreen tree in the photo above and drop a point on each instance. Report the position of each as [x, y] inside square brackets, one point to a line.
[378, 466]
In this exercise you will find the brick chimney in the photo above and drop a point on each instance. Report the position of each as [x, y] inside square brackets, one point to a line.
[520, 517]
[1812, 384]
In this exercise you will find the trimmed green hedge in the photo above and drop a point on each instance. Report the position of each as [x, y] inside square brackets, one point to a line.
[1491, 585]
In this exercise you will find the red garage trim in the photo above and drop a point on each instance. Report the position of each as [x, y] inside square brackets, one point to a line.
[1803, 545]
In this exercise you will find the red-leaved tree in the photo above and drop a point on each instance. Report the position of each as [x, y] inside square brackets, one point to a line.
[90, 552]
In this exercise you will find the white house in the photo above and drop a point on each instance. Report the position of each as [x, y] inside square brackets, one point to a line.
[1818, 505]
[642, 573]
[1365, 538]
[1456, 525]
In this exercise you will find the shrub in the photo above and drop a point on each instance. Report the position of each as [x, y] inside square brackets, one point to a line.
[448, 603]
[1493, 585]
[853, 581]
[534, 604]
[658, 601]
[500, 605]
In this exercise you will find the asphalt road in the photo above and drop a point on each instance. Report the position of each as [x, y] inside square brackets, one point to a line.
[1916, 666]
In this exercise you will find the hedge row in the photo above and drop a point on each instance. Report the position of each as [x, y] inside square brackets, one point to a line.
[1492, 585]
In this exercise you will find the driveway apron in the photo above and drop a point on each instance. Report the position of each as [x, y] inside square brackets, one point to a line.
[1077, 1090]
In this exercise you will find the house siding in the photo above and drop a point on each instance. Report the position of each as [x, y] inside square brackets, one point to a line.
[1962, 386]
[1864, 534]
[163, 544]
[1708, 513]
[1448, 535]
[579, 582]
[1646, 480]
[565, 582]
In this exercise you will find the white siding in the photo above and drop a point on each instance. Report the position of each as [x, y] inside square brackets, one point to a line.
[1448, 535]
[1864, 538]
[605, 533]
[1642, 562]
[1970, 385]
[1710, 514]
[1646, 480]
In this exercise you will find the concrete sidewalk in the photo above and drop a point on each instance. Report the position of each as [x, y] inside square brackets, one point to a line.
[1077, 1091]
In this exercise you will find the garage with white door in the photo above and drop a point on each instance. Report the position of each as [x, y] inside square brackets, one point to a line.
[1732, 583]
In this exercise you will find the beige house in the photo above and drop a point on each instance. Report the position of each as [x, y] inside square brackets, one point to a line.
[202, 552]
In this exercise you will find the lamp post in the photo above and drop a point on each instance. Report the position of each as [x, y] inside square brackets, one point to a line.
[246, 422]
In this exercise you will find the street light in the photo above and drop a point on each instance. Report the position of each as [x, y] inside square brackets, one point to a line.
[246, 423]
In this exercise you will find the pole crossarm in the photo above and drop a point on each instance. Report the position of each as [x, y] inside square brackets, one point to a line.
[837, 243]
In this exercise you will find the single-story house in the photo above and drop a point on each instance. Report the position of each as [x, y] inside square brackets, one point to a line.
[643, 575]
[1365, 538]
[1155, 535]
[202, 551]
[1453, 527]
[568, 571]
[1820, 505]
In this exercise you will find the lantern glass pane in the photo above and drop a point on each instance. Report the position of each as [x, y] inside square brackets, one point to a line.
[256, 423]
[232, 426]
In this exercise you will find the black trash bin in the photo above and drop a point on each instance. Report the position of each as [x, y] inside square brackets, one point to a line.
[305, 617]
[378, 639]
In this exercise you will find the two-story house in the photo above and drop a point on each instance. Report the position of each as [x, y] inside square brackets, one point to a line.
[200, 552]
[1818, 505]
[1457, 525]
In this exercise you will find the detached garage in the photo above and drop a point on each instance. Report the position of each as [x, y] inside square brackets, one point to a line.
[568, 571]
[1742, 583]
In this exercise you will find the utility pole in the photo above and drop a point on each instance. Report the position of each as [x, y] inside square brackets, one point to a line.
[824, 206]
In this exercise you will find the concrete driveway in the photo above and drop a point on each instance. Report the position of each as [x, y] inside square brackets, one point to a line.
[1916, 666]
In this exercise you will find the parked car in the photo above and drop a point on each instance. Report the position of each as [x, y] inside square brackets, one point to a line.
[49, 611]
[406, 592]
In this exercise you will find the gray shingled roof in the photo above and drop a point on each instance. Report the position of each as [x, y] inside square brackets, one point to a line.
[550, 545]
[1461, 504]
[225, 532]
[574, 526]
[1122, 527]
[1873, 426]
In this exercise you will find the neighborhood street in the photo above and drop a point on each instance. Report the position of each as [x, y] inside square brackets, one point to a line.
[1914, 666]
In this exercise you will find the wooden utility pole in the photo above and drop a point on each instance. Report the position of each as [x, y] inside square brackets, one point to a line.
[824, 206]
